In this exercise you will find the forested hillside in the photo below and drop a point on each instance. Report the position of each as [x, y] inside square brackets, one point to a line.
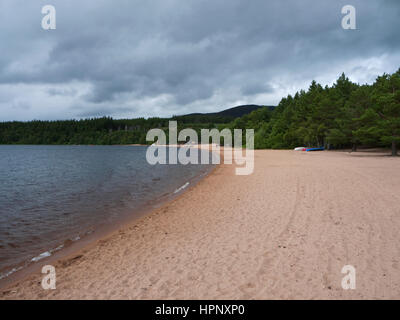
[106, 130]
[341, 116]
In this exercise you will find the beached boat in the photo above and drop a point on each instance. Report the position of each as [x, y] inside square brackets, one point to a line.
[315, 149]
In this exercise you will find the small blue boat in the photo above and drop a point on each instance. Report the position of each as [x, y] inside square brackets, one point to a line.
[315, 149]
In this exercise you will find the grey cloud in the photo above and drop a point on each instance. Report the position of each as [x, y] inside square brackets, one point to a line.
[249, 89]
[62, 92]
[22, 105]
[191, 51]
[85, 111]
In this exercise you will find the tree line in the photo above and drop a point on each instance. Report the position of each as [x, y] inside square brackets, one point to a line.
[99, 131]
[343, 115]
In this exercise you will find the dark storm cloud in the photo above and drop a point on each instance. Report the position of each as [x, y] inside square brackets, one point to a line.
[188, 54]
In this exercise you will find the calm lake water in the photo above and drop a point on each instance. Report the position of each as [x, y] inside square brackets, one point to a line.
[52, 195]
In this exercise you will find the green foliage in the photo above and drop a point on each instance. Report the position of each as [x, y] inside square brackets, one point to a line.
[343, 115]
[99, 131]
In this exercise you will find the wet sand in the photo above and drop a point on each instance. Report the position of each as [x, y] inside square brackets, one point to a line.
[284, 232]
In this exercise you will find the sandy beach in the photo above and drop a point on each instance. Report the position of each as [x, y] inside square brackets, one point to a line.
[284, 232]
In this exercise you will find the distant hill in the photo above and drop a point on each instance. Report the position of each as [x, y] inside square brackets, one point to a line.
[223, 116]
[235, 112]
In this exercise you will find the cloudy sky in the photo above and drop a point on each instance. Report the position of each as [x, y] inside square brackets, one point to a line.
[128, 58]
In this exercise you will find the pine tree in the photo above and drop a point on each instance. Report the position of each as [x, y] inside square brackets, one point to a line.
[387, 97]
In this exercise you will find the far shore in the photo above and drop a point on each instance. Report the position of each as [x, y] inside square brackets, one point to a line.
[284, 232]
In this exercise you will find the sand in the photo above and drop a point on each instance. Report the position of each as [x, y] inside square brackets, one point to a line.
[284, 232]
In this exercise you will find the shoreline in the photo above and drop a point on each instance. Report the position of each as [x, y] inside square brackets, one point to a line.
[23, 270]
[100, 236]
[284, 232]
[91, 238]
